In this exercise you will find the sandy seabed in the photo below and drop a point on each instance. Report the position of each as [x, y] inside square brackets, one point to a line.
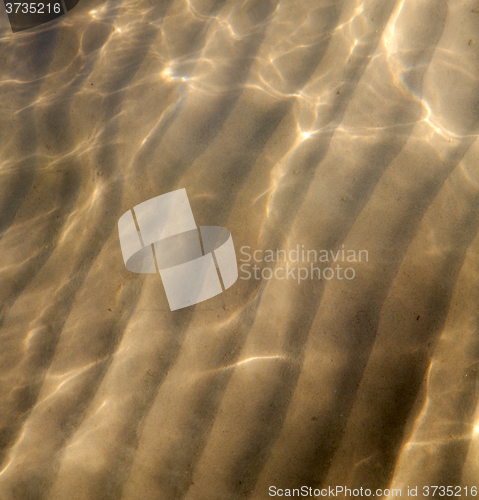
[317, 123]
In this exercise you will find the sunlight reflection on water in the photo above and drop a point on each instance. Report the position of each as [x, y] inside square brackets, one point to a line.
[316, 123]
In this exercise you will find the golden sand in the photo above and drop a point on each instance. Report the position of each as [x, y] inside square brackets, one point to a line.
[326, 124]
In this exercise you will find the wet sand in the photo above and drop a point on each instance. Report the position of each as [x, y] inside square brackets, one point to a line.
[336, 124]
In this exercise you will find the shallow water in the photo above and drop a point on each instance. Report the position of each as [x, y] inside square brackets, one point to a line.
[299, 125]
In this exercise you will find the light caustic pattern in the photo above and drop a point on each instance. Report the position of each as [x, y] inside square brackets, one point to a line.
[316, 122]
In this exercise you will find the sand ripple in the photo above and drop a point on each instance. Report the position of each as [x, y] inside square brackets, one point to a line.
[320, 123]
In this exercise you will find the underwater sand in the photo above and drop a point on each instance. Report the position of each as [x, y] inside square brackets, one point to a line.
[335, 124]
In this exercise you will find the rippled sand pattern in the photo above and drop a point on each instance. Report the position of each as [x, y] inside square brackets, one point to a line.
[316, 122]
